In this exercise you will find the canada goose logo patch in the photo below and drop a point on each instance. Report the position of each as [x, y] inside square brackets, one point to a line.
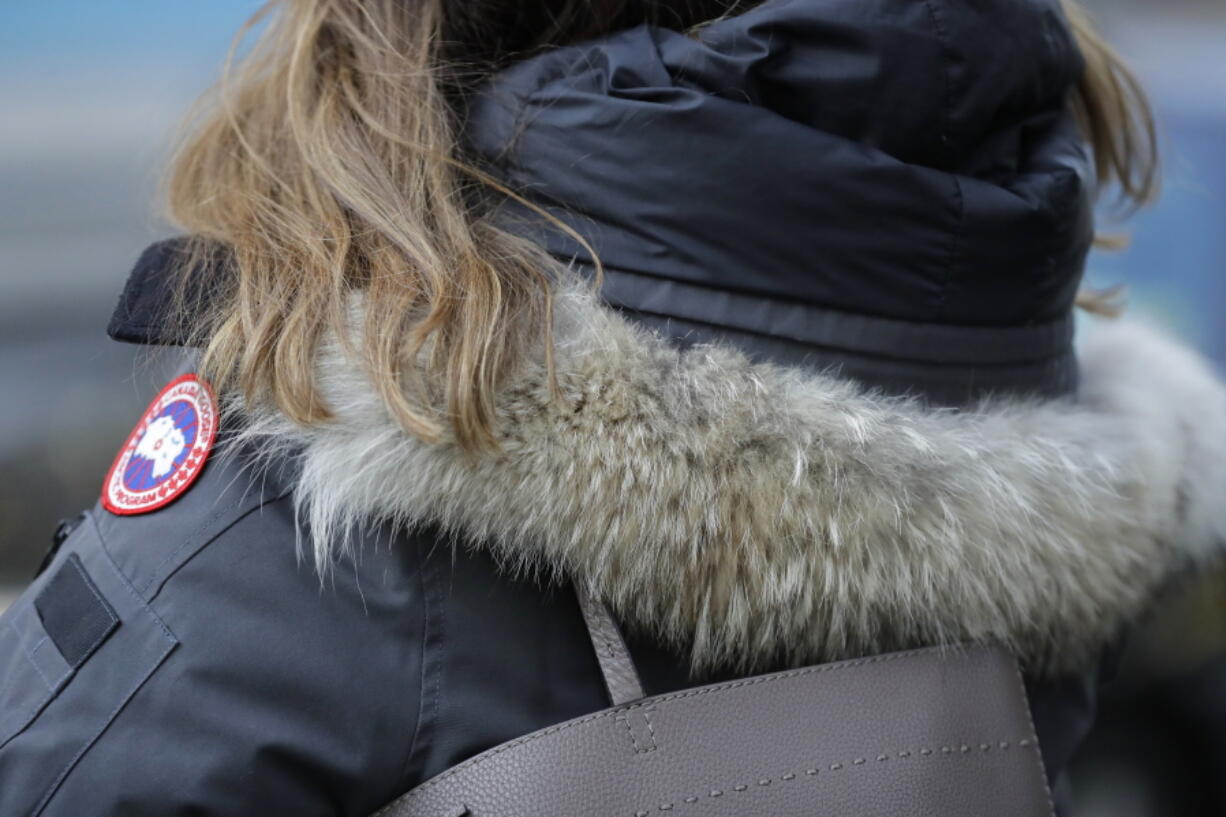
[166, 451]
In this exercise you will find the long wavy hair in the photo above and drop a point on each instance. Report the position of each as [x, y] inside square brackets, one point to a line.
[328, 161]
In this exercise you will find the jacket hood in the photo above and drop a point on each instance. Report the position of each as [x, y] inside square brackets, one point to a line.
[875, 182]
[751, 513]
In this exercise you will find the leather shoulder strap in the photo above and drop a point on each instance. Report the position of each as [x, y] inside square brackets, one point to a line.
[616, 665]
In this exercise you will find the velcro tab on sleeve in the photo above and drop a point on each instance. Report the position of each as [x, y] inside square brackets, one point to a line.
[75, 615]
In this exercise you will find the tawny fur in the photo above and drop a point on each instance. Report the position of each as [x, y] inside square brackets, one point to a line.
[754, 513]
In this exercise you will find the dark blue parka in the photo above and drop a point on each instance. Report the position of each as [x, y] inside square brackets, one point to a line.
[893, 189]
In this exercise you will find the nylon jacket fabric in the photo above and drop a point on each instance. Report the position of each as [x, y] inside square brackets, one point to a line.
[238, 683]
[884, 182]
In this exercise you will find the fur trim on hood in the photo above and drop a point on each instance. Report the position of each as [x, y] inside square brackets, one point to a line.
[753, 513]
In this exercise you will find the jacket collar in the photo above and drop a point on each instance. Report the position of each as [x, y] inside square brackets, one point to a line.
[747, 511]
[145, 311]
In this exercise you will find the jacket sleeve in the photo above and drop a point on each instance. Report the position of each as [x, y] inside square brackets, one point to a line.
[184, 662]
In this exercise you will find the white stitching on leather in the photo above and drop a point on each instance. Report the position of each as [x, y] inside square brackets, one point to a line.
[691, 693]
[945, 751]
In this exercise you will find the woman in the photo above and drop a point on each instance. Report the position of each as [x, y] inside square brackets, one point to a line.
[797, 212]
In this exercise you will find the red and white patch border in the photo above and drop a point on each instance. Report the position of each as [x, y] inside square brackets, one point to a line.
[117, 498]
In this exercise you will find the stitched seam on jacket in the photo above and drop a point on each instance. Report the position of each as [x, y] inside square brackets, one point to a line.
[28, 653]
[143, 607]
[881, 659]
[947, 139]
[193, 539]
[428, 693]
[196, 542]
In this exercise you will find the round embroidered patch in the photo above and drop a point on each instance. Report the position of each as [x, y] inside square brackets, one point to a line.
[166, 451]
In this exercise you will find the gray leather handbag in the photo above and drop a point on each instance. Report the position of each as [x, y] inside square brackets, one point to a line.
[917, 734]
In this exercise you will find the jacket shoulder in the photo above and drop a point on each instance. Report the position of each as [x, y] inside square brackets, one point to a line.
[215, 655]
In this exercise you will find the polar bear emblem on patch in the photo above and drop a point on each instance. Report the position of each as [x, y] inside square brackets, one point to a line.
[162, 444]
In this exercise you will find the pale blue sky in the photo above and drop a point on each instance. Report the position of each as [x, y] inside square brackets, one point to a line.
[84, 30]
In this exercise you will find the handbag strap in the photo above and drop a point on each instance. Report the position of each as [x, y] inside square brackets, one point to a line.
[621, 678]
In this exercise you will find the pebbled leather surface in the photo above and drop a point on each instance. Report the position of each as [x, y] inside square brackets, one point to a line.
[621, 678]
[923, 733]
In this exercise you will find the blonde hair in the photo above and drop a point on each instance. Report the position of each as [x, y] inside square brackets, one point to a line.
[1117, 121]
[327, 165]
[327, 162]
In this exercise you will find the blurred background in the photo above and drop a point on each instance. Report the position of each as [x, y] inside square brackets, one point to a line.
[90, 93]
